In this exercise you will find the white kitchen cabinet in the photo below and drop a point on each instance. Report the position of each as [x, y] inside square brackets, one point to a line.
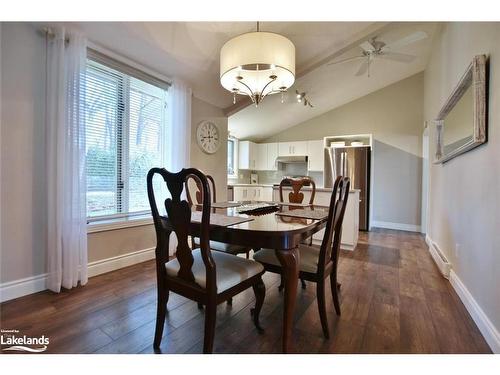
[247, 193]
[261, 156]
[267, 194]
[247, 155]
[272, 154]
[252, 193]
[315, 154]
[240, 193]
[297, 148]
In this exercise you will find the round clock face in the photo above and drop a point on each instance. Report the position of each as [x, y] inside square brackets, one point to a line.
[207, 136]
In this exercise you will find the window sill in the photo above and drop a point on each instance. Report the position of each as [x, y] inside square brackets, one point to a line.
[119, 223]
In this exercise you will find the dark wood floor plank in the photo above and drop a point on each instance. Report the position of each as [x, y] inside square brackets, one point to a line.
[393, 300]
[382, 334]
[417, 333]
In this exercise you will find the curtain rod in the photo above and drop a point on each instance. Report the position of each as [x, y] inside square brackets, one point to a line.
[49, 33]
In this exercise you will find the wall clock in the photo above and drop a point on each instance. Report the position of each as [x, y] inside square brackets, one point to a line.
[207, 136]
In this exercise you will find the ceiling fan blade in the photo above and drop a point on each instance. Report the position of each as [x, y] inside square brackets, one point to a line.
[345, 60]
[367, 46]
[409, 39]
[399, 57]
[363, 68]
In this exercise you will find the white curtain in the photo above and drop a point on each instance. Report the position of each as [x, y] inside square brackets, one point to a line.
[179, 135]
[65, 131]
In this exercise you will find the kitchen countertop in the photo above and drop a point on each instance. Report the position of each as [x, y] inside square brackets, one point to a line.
[245, 185]
[307, 188]
[276, 186]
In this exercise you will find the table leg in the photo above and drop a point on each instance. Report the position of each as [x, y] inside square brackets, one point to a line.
[289, 260]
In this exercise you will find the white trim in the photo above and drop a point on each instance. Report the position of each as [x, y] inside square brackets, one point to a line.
[438, 256]
[34, 284]
[343, 246]
[99, 267]
[22, 287]
[97, 226]
[235, 156]
[488, 330]
[396, 226]
[125, 60]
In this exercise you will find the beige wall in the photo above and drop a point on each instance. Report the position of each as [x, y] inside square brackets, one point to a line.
[464, 204]
[394, 115]
[22, 153]
[215, 164]
[22, 193]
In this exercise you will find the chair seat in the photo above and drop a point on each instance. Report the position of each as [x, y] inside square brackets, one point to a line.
[231, 270]
[221, 246]
[308, 258]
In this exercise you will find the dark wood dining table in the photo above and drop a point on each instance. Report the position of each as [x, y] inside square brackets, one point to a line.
[269, 230]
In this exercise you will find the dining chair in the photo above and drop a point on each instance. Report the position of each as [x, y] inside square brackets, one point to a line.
[214, 245]
[201, 275]
[317, 264]
[296, 196]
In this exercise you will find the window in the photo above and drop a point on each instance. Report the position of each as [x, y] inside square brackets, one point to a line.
[231, 160]
[126, 124]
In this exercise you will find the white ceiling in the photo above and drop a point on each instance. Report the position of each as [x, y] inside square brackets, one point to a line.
[329, 87]
[190, 50]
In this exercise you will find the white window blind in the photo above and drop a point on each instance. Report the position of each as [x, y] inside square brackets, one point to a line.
[126, 123]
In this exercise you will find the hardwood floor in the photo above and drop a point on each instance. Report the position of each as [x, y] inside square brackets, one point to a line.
[393, 300]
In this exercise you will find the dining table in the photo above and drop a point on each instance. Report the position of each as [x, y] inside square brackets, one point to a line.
[270, 229]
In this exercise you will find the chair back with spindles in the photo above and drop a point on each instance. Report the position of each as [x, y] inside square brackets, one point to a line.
[296, 196]
[178, 220]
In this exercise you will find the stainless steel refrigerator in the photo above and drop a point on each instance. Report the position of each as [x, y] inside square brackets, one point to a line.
[352, 162]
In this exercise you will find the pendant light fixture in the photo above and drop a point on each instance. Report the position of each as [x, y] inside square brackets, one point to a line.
[257, 64]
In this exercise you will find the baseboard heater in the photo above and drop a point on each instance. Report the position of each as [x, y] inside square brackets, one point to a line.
[442, 263]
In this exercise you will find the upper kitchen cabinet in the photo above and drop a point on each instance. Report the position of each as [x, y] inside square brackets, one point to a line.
[261, 157]
[272, 154]
[257, 156]
[292, 148]
[247, 155]
[315, 155]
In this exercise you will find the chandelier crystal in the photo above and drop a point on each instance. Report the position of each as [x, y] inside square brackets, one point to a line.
[257, 64]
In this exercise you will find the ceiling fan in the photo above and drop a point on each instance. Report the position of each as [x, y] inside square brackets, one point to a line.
[377, 49]
[301, 98]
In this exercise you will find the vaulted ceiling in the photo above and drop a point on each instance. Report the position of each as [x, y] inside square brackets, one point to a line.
[330, 86]
[190, 51]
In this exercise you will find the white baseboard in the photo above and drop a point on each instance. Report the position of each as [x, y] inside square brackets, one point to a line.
[34, 284]
[22, 287]
[343, 246]
[396, 226]
[111, 264]
[439, 258]
[488, 330]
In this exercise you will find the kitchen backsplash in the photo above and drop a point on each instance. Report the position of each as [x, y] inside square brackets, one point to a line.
[274, 177]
